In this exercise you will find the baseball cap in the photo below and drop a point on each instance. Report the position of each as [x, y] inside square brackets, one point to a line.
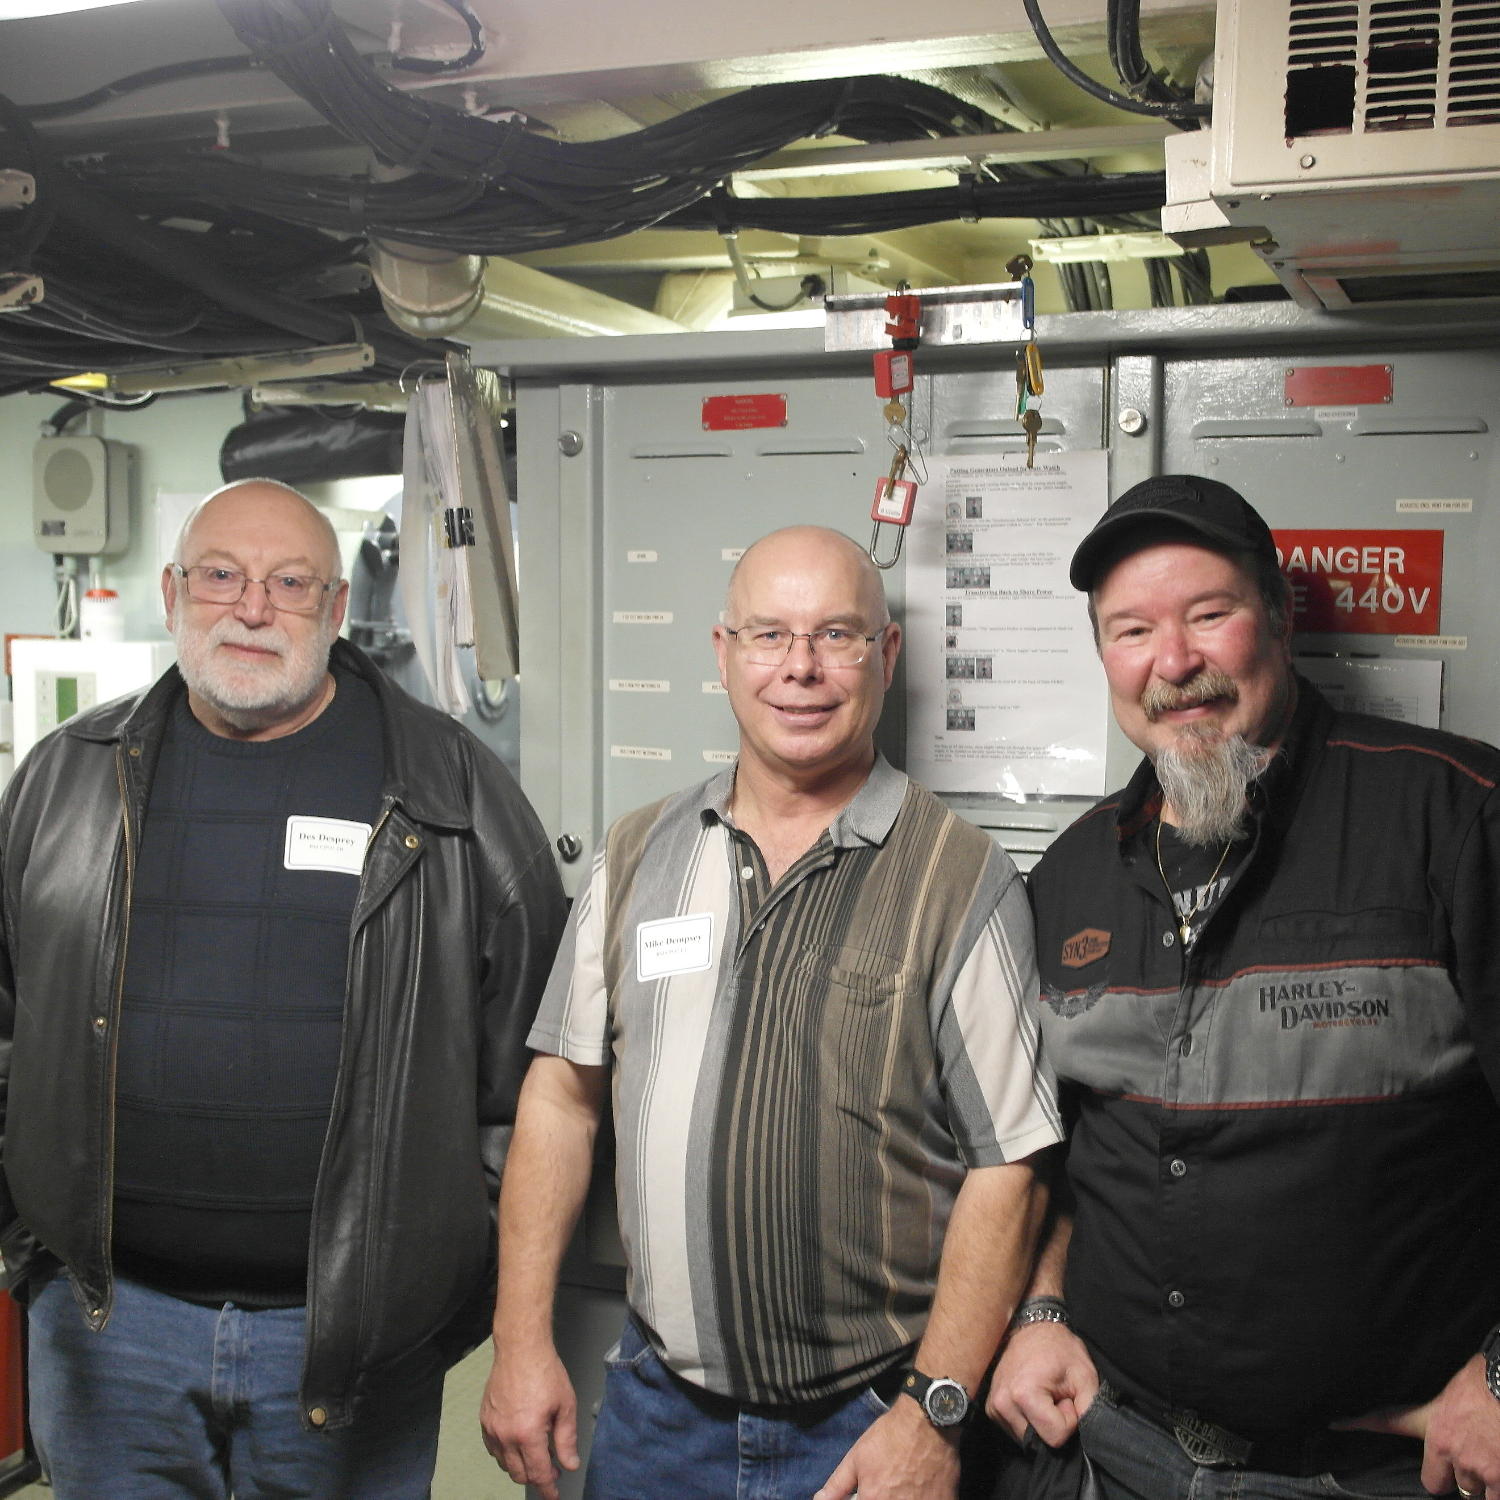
[1222, 516]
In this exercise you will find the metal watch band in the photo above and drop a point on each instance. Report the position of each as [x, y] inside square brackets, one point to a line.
[1041, 1310]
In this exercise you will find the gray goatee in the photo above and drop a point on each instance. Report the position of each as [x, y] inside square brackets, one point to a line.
[1205, 779]
[1204, 775]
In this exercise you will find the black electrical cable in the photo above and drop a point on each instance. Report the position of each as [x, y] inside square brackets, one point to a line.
[873, 213]
[421, 210]
[203, 67]
[1186, 109]
[65, 415]
[301, 41]
[432, 65]
[91, 212]
[1140, 79]
[1195, 277]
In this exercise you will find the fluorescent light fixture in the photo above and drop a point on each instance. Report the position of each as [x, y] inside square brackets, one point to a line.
[25, 10]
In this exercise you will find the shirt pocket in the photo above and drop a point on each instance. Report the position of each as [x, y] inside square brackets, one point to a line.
[860, 976]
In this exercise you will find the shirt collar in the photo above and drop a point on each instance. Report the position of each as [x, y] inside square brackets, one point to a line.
[866, 820]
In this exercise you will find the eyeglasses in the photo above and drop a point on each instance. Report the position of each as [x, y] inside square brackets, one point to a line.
[833, 646]
[289, 591]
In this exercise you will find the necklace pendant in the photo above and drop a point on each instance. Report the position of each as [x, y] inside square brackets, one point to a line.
[1185, 929]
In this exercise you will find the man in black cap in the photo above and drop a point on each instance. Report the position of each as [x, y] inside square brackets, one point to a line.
[1271, 992]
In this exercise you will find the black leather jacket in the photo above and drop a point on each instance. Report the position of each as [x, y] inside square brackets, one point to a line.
[458, 913]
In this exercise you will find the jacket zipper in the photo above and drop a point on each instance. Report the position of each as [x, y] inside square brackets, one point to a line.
[113, 1040]
[338, 1086]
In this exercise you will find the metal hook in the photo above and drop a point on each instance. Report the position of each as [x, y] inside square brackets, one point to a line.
[417, 364]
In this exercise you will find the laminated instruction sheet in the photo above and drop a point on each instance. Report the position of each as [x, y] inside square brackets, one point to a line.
[1005, 693]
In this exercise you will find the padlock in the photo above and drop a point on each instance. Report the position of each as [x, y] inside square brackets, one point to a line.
[894, 499]
[893, 373]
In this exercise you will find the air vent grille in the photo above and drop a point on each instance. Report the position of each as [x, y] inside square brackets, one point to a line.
[1401, 65]
[1474, 64]
[1381, 65]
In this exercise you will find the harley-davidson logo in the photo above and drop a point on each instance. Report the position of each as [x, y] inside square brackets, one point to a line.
[1084, 947]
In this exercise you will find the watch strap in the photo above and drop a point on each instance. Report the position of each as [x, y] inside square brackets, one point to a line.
[919, 1387]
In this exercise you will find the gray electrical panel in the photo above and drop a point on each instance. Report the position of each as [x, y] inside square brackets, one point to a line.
[633, 509]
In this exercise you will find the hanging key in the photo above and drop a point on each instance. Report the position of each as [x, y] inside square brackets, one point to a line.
[1031, 358]
[1031, 420]
[1022, 384]
[895, 413]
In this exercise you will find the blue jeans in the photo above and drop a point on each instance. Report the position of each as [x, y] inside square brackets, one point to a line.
[172, 1401]
[658, 1436]
[1134, 1459]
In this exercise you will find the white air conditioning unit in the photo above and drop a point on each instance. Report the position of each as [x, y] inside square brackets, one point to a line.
[1355, 143]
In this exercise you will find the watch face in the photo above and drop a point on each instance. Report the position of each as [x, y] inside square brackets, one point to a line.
[947, 1403]
[1492, 1372]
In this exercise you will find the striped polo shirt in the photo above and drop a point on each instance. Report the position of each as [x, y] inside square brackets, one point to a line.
[802, 1073]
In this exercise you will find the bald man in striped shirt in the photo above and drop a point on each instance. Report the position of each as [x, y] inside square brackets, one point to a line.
[804, 984]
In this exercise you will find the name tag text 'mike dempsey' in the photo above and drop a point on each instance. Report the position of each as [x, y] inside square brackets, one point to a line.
[674, 945]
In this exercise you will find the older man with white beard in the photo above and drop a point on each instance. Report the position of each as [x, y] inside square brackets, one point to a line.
[1270, 969]
[273, 936]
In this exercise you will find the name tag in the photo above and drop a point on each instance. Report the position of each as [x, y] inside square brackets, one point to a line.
[325, 844]
[674, 945]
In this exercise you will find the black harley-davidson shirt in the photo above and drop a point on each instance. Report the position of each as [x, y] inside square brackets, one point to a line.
[1285, 1144]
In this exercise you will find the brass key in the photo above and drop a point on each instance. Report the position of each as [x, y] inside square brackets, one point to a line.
[895, 413]
[1031, 420]
[1032, 357]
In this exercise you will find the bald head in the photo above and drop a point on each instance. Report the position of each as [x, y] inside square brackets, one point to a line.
[783, 560]
[268, 509]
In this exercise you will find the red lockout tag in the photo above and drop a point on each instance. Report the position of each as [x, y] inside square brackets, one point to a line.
[894, 499]
[893, 373]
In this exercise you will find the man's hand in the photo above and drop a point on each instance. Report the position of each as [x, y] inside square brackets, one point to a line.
[1046, 1380]
[529, 1414]
[1460, 1428]
[901, 1456]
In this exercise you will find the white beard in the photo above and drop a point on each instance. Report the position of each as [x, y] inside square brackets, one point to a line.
[254, 695]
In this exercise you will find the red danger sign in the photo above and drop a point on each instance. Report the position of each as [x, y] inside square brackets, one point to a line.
[1364, 582]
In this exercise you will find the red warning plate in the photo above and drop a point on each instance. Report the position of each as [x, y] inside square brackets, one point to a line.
[1339, 385]
[737, 413]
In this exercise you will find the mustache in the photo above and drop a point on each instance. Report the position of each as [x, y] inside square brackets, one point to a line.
[1163, 697]
[229, 632]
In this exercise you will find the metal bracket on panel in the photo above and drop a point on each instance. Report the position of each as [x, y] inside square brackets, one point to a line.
[950, 315]
[241, 370]
[368, 395]
[17, 188]
[19, 290]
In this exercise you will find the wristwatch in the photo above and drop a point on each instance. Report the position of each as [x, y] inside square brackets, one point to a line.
[1491, 1352]
[945, 1401]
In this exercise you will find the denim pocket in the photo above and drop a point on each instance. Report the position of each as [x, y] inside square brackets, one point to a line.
[631, 1350]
